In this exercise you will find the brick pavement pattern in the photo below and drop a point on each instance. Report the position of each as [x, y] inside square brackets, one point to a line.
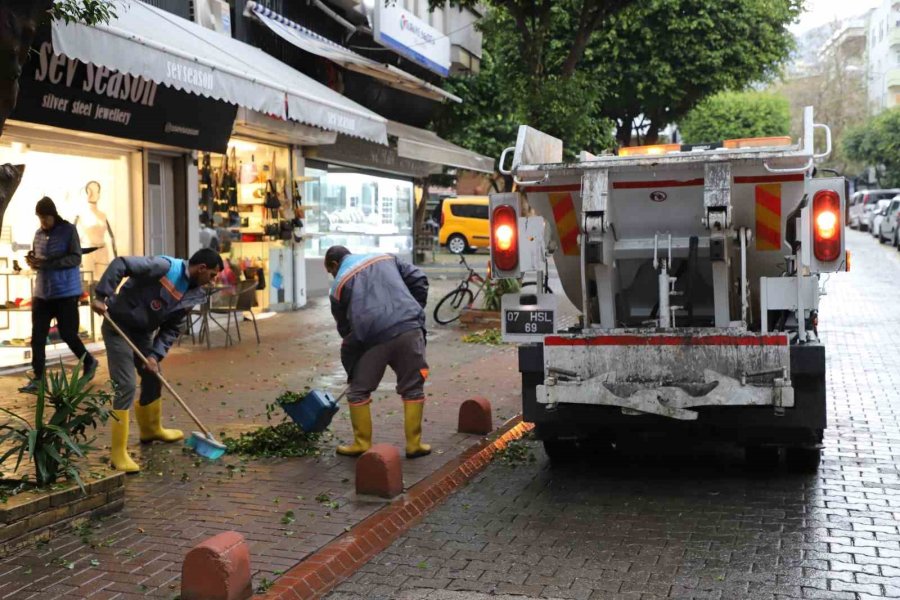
[693, 522]
[179, 500]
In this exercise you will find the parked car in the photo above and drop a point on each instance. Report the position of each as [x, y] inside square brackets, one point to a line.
[887, 228]
[875, 216]
[464, 224]
[862, 204]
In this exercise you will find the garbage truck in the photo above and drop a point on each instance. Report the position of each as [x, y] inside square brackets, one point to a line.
[696, 273]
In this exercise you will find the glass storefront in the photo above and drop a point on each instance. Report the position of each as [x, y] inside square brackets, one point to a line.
[365, 212]
[246, 210]
[91, 188]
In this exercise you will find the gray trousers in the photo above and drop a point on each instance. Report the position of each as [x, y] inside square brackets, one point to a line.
[405, 354]
[125, 366]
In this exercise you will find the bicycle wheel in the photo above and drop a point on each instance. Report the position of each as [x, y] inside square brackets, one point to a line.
[451, 306]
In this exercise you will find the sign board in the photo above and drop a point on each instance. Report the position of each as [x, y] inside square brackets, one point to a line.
[408, 35]
[63, 92]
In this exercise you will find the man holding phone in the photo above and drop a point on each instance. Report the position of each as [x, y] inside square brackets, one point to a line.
[56, 258]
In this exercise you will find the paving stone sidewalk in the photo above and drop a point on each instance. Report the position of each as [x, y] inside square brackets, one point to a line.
[178, 500]
[690, 522]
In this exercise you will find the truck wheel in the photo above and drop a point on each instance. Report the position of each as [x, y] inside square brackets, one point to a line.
[561, 451]
[802, 459]
[761, 458]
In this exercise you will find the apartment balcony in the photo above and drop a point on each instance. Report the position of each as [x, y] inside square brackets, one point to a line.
[892, 78]
[894, 36]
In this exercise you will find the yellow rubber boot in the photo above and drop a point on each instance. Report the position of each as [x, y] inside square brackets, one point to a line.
[361, 419]
[119, 452]
[149, 420]
[412, 424]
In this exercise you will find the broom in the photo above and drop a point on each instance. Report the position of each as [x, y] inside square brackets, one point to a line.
[203, 444]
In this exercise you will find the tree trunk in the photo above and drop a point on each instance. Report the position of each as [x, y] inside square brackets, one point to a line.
[419, 223]
[623, 131]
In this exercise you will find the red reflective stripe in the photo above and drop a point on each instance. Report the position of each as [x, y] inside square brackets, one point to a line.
[569, 187]
[663, 183]
[770, 178]
[669, 340]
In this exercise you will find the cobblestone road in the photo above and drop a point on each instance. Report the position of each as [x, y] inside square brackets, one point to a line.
[695, 524]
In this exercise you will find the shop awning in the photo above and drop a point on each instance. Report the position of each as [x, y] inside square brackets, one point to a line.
[159, 46]
[425, 146]
[312, 42]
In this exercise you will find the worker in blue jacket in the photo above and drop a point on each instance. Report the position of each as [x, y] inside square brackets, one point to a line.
[150, 308]
[378, 304]
[56, 259]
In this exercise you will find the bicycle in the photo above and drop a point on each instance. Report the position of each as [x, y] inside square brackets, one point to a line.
[451, 306]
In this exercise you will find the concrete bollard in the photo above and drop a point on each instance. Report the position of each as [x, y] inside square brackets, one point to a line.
[475, 416]
[217, 569]
[378, 472]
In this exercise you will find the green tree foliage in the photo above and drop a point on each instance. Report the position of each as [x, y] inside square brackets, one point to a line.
[89, 12]
[503, 96]
[877, 143]
[730, 115]
[650, 58]
[659, 58]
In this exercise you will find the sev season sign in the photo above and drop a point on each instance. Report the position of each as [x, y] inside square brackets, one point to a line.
[410, 36]
[61, 91]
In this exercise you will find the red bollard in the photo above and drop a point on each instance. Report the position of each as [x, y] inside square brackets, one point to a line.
[217, 569]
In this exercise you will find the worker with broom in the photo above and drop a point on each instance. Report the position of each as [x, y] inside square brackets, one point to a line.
[150, 308]
[378, 303]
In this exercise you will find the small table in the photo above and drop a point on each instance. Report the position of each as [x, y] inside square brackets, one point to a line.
[206, 316]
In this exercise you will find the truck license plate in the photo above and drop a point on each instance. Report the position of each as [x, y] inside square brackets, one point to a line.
[529, 321]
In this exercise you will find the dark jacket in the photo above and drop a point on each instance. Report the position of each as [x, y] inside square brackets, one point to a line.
[59, 275]
[156, 297]
[376, 297]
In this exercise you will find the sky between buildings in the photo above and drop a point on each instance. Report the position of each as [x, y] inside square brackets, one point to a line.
[820, 12]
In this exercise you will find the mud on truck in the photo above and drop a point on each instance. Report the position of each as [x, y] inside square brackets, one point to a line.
[697, 273]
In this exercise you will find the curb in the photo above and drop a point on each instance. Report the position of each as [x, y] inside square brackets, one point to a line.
[323, 570]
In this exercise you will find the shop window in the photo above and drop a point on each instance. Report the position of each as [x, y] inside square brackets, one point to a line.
[381, 223]
[246, 205]
[91, 188]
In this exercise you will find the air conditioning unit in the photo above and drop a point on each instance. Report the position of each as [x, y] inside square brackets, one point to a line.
[213, 14]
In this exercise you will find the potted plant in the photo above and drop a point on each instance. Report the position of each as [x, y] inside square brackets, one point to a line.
[67, 410]
[489, 315]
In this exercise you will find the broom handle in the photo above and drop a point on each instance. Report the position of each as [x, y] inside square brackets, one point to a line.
[158, 374]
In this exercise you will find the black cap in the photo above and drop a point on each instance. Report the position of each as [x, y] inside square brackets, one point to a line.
[46, 208]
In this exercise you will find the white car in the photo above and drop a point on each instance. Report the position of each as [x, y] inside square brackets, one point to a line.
[861, 205]
[874, 217]
[887, 228]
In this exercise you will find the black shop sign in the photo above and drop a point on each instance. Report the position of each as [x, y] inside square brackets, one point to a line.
[64, 92]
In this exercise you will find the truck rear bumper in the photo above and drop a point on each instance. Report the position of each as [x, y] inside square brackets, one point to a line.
[804, 421]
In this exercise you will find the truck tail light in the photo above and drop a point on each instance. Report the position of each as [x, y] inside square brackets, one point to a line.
[442, 219]
[505, 238]
[827, 225]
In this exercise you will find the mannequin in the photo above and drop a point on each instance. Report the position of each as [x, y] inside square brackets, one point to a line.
[94, 227]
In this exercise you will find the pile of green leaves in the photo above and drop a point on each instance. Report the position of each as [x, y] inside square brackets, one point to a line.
[53, 444]
[517, 452]
[488, 337]
[284, 440]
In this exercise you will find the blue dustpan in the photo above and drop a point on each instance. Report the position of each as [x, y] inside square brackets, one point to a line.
[313, 413]
[206, 447]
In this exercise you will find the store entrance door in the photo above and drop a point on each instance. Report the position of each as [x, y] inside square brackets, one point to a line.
[160, 206]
